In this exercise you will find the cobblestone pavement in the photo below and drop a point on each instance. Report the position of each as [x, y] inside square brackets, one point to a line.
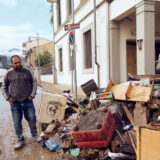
[32, 150]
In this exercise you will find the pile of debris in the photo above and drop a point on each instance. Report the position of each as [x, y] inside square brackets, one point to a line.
[102, 125]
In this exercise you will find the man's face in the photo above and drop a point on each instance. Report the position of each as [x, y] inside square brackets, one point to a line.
[16, 63]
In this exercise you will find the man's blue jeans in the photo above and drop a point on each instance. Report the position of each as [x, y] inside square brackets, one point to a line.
[26, 108]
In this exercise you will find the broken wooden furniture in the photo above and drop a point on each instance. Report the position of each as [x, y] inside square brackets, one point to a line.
[94, 129]
[130, 92]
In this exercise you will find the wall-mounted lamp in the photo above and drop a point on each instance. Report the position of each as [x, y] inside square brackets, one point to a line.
[139, 44]
[109, 1]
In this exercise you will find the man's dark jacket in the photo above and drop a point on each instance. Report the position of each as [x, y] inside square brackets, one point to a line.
[19, 85]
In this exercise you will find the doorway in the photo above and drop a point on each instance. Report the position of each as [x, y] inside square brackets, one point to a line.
[131, 57]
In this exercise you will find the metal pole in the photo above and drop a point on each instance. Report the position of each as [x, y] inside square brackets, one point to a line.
[72, 68]
[74, 56]
[39, 76]
[54, 65]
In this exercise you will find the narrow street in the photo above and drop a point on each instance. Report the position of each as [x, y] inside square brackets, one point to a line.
[32, 150]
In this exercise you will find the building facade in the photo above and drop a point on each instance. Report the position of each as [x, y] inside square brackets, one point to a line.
[127, 39]
[32, 49]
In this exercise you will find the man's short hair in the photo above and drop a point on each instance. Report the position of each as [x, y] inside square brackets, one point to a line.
[14, 57]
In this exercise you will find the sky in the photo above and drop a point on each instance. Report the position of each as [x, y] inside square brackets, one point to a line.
[20, 19]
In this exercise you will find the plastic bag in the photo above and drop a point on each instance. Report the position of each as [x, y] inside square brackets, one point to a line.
[53, 144]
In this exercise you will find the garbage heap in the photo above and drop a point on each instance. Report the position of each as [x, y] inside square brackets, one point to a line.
[102, 125]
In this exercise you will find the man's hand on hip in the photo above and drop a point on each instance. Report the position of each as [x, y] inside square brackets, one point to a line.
[30, 98]
[11, 101]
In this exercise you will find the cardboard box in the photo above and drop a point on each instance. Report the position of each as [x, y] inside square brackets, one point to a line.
[52, 108]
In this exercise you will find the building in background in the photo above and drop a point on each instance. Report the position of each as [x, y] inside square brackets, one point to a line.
[127, 39]
[31, 49]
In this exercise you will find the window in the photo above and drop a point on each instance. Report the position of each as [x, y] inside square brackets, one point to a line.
[59, 12]
[70, 7]
[60, 60]
[87, 50]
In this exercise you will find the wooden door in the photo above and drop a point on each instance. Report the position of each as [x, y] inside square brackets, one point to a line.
[131, 59]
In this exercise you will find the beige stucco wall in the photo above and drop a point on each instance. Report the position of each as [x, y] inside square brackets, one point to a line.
[34, 43]
[127, 32]
[42, 48]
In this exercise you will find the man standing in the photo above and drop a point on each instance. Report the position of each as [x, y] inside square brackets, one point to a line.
[19, 88]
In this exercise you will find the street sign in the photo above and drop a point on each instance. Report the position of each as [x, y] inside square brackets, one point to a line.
[71, 26]
[52, 1]
[71, 38]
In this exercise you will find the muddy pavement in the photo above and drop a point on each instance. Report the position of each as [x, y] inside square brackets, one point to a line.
[32, 150]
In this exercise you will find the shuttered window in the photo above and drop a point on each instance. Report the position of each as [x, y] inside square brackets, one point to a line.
[87, 50]
[59, 12]
[60, 60]
[70, 7]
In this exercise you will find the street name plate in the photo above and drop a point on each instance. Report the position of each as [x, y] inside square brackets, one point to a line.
[71, 26]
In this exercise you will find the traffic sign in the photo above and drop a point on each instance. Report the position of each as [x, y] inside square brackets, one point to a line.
[71, 26]
[71, 38]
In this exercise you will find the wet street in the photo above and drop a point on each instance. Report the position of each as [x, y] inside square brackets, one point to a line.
[32, 150]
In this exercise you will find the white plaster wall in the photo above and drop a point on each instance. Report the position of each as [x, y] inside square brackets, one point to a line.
[102, 44]
[76, 3]
[88, 7]
[102, 52]
[118, 7]
[55, 16]
[63, 77]
[47, 78]
[63, 11]
[127, 32]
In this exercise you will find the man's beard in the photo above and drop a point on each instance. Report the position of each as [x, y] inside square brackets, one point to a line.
[18, 68]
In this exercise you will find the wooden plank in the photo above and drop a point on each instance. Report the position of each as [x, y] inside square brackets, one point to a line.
[152, 89]
[109, 86]
[129, 90]
[50, 128]
[133, 144]
[129, 115]
[138, 131]
[39, 127]
[140, 118]
[75, 103]
[138, 93]
[119, 92]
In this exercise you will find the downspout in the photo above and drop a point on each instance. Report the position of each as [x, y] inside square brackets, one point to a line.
[95, 46]
[109, 49]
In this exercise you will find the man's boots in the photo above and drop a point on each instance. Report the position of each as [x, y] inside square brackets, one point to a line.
[19, 145]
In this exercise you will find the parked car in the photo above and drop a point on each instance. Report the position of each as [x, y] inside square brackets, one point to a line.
[2, 74]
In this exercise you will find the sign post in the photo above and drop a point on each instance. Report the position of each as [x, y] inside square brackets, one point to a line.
[74, 55]
[72, 27]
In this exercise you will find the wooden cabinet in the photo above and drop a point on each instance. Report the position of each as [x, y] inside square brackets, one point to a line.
[148, 144]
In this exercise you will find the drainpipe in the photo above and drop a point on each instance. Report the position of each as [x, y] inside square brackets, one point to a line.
[95, 45]
[109, 39]
[109, 50]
